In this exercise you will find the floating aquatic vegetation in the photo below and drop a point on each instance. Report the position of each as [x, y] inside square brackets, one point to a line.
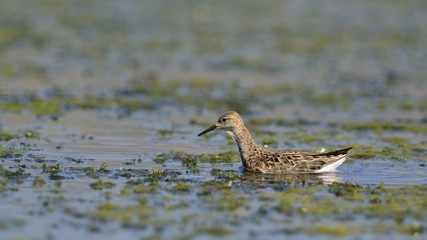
[5, 136]
[100, 185]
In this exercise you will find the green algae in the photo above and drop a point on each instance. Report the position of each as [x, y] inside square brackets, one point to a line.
[402, 143]
[302, 137]
[164, 132]
[39, 182]
[254, 64]
[350, 200]
[160, 159]
[129, 216]
[419, 147]
[337, 231]
[225, 175]
[187, 160]
[157, 174]
[268, 140]
[191, 161]
[328, 203]
[197, 92]
[182, 186]
[156, 93]
[90, 102]
[5, 136]
[17, 175]
[28, 133]
[219, 231]
[7, 153]
[100, 185]
[12, 106]
[225, 157]
[90, 172]
[227, 200]
[398, 148]
[209, 187]
[149, 84]
[347, 191]
[140, 215]
[142, 188]
[46, 108]
[139, 188]
[382, 126]
[52, 170]
[3, 185]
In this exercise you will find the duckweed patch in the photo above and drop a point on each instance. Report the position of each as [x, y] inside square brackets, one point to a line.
[149, 92]
[267, 140]
[143, 188]
[5, 136]
[187, 160]
[227, 200]
[216, 230]
[100, 185]
[191, 161]
[238, 200]
[129, 216]
[46, 108]
[90, 172]
[164, 132]
[182, 186]
[225, 175]
[338, 231]
[226, 157]
[380, 126]
[39, 182]
[209, 187]
[17, 175]
[396, 148]
[7, 153]
[28, 133]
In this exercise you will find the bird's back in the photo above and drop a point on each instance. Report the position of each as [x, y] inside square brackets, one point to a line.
[297, 162]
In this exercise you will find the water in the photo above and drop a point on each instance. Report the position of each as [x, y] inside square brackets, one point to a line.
[118, 91]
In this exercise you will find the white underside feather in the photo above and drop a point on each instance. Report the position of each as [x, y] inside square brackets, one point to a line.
[331, 167]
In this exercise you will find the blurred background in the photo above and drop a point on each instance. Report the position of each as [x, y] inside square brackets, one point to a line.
[362, 56]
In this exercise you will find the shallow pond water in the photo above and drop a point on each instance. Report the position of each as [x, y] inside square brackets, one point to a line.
[101, 102]
[102, 179]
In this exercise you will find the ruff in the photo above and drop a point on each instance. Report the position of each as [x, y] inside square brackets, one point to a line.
[258, 159]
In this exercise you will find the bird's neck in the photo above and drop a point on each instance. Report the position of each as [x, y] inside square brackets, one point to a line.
[245, 143]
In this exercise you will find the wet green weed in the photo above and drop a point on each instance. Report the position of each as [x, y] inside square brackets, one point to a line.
[28, 133]
[129, 216]
[6, 136]
[337, 231]
[39, 182]
[192, 162]
[7, 153]
[182, 186]
[220, 231]
[100, 185]
[382, 126]
[226, 157]
[225, 175]
[19, 175]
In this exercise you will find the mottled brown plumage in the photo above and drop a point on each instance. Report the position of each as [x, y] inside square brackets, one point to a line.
[258, 159]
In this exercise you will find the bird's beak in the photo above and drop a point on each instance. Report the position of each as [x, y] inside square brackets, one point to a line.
[211, 128]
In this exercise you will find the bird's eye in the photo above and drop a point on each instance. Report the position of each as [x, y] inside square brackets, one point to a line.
[223, 120]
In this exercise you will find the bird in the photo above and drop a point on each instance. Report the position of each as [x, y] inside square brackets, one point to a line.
[262, 160]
